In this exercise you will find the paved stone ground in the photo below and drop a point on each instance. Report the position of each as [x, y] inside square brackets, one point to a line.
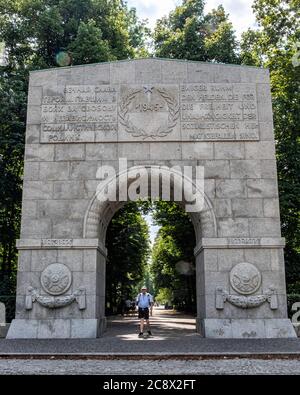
[70, 367]
[173, 334]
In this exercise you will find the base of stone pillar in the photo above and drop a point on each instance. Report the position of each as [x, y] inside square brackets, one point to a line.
[102, 326]
[3, 330]
[56, 328]
[245, 328]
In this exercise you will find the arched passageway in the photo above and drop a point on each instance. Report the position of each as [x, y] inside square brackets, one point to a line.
[105, 204]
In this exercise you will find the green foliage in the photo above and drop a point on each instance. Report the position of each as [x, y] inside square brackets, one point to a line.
[34, 31]
[175, 242]
[128, 246]
[88, 46]
[189, 34]
[8, 293]
[251, 48]
[139, 34]
[12, 115]
[219, 43]
[274, 46]
[164, 296]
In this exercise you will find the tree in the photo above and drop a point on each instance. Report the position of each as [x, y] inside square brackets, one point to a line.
[189, 34]
[139, 34]
[220, 42]
[164, 296]
[274, 46]
[12, 114]
[173, 262]
[88, 46]
[35, 31]
[128, 246]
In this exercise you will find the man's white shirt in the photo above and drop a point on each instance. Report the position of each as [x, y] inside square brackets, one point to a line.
[144, 301]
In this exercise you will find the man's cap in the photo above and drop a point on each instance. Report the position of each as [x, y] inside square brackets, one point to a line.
[144, 287]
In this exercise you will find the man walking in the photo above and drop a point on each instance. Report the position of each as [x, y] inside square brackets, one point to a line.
[144, 302]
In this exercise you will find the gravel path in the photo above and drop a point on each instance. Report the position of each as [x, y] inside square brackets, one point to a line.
[96, 367]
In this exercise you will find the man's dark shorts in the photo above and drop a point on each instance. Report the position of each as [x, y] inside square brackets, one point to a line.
[144, 313]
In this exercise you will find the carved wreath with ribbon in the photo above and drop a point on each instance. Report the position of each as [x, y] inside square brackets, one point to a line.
[162, 130]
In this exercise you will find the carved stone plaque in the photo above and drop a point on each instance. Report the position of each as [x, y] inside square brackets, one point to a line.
[245, 278]
[57, 242]
[219, 112]
[56, 279]
[83, 112]
[156, 112]
[252, 241]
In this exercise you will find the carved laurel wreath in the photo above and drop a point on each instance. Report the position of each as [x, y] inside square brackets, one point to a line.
[163, 130]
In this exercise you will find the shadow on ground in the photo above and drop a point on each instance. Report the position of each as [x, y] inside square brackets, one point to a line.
[165, 325]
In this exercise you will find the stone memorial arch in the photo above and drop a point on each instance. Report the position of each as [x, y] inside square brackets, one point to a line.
[159, 113]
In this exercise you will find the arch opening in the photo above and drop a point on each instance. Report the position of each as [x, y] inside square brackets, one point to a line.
[133, 259]
[100, 211]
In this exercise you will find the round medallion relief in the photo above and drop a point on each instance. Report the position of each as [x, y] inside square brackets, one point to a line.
[245, 278]
[56, 279]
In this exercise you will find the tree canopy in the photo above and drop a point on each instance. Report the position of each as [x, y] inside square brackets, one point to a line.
[187, 33]
[128, 247]
[173, 262]
[35, 31]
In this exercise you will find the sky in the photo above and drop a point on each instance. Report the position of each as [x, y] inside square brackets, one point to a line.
[153, 228]
[240, 11]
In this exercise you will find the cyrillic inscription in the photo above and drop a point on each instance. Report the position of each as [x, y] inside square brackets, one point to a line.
[76, 116]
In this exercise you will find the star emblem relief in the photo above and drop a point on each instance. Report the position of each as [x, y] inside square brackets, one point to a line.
[148, 89]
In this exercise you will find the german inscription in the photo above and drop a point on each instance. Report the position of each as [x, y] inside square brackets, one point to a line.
[219, 112]
[187, 112]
